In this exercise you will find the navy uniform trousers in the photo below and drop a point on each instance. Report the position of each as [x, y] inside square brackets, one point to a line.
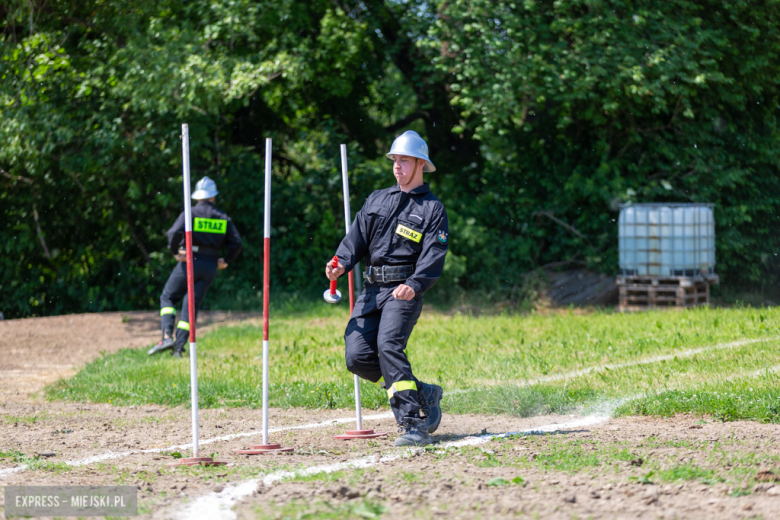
[205, 271]
[375, 340]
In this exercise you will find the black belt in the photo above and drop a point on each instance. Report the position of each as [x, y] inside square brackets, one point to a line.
[205, 250]
[388, 273]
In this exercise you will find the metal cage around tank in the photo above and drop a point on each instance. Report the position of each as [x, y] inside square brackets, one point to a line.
[667, 240]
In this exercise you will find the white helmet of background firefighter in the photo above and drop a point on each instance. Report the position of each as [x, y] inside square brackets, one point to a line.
[205, 189]
[410, 143]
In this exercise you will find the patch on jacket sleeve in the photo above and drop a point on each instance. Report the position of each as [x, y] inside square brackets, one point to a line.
[442, 237]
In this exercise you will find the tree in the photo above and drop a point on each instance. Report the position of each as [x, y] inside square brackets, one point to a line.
[586, 105]
[541, 118]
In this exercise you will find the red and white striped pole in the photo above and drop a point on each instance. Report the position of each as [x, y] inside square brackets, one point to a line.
[266, 280]
[266, 446]
[195, 459]
[359, 433]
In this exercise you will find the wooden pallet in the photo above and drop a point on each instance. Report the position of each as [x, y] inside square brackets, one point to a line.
[639, 293]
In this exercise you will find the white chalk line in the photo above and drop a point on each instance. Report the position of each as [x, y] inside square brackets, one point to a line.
[555, 377]
[765, 371]
[616, 366]
[116, 455]
[219, 505]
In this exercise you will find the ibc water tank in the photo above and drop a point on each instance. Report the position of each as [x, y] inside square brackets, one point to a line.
[666, 239]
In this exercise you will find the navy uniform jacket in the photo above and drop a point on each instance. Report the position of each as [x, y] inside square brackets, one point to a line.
[211, 227]
[397, 228]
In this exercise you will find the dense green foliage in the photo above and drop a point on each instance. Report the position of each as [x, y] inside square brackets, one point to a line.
[542, 118]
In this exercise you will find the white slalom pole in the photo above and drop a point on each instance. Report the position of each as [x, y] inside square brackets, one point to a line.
[185, 153]
[359, 433]
[196, 459]
[347, 223]
[267, 447]
[266, 281]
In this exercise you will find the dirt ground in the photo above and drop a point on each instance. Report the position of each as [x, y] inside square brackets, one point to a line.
[684, 467]
[35, 352]
[462, 483]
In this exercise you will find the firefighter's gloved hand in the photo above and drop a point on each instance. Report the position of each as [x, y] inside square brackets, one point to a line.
[403, 292]
[221, 264]
[332, 273]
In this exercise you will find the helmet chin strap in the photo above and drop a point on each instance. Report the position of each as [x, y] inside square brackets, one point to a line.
[414, 176]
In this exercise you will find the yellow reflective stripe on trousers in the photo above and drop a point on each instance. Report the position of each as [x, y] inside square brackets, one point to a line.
[183, 325]
[400, 386]
[381, 382]
[167, 310]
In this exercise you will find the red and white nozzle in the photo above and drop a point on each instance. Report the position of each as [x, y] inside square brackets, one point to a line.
[332, 295]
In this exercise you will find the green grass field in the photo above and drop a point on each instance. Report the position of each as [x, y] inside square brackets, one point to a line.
[714, 361]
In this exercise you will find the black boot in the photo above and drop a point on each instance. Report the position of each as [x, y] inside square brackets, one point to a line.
[429, 397]
[162, 346]
[415, 433]
[182, 337]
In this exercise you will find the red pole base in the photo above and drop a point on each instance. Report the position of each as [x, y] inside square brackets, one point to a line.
[196, 461]
[264, 449]
[359, 434]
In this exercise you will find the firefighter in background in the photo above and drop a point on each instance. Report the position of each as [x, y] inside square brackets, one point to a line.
[403, 235]
[211, 230]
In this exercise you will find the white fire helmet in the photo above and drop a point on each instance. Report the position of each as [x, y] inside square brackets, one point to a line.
[205, 189]
[410, 143]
